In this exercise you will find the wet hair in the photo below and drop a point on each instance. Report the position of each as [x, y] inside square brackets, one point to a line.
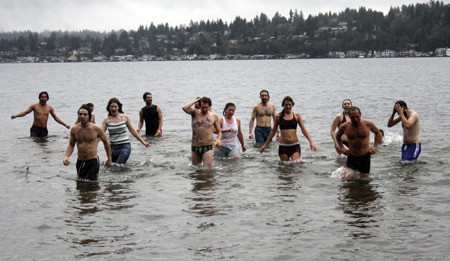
[402, 104]
[264, 91]
[145, 95]
[44, 92]
[88, 108]
[114, 100]
[226, 107]
[206, 100]
[287, 98]
[351, 103]
[354, 108]
[91, 105]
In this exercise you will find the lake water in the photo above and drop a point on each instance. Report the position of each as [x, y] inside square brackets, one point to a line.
[159, 207]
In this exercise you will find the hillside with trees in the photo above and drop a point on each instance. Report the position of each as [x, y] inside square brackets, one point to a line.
[408, 30]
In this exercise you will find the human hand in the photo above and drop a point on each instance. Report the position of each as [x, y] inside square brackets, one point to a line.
[108, 163]
[66, 161]
[262, 149]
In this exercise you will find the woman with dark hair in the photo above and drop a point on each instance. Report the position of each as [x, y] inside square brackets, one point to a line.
[340, 118]
[289, 147]
[117, 124]
[231, 135]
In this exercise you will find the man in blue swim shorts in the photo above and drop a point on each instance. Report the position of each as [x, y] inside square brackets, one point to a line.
[410, 119]
[263, 112]
[87, 135]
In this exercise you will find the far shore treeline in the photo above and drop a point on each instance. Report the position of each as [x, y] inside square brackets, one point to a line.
[422, 29]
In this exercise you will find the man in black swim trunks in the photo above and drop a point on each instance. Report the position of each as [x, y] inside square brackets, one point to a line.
[41, 111]
[152, 116]
[359, 151]
[203, 124]
[86, 135]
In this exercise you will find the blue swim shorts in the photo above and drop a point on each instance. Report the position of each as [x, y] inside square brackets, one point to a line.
[411, 152]
[262, 134]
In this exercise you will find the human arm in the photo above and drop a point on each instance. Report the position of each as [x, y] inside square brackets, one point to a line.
[377, 138]
[252, 121]
[70, 148]
[271, 135]
[25, 112]
[57, 119]
[342, 148]
[274, 113]
[187, 108]
[104, 124]
[334, 125]
[305, 132]
[102, 136]
[241, 136]
[217, 127]
[141, 121]
[160, 116]
[134, 132]
[394, 120]
[407, 122]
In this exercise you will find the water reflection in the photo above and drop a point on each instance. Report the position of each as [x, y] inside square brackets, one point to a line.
[359, 202]
[287, 175]
[204, 182]
[91, 228]
[87, 194]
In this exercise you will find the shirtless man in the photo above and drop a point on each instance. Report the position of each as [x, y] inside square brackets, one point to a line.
[86, 135]
[339, 119]
[411, 147]
[41, 111]
[359, 151]
[264, 112]
[203, 123]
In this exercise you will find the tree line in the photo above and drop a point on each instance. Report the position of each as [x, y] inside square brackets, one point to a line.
[421, 27]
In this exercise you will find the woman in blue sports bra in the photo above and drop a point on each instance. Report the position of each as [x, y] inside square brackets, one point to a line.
[287, 120]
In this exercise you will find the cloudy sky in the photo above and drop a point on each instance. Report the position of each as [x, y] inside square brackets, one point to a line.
[107, 15]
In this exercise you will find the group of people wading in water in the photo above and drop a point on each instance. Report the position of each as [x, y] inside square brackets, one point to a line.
[214, 137]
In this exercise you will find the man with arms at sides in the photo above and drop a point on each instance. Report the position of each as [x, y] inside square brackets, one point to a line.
[86, 135]
[41, 111]
[152, 116]
[359, 151]
[203, 123]
[264, 112]
[339, 119]
[410, 119]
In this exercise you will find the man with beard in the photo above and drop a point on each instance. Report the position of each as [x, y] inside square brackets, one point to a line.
[264, 112]
[359, 151]
[41, 111]
[203, 124]
[86, 135]
[152, 116]
[411, 130]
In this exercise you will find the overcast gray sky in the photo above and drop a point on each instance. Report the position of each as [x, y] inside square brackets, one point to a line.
[107, 15]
